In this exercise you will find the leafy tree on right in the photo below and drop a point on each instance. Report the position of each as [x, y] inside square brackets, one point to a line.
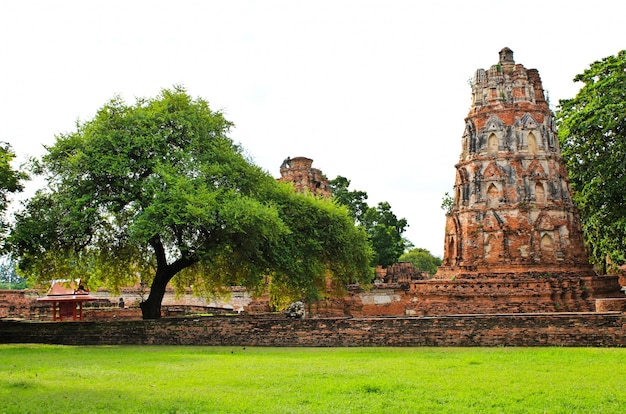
[592, 135]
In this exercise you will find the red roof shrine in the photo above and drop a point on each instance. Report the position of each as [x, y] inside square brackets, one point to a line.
[67, 297]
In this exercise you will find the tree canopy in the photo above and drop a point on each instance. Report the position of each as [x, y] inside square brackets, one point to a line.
[381, 224]
[592, 135]
[157, 190]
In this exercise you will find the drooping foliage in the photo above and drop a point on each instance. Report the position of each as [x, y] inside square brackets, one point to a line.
[592, 135]
[157, 190]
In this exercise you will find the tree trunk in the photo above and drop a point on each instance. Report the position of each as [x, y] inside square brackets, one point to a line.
[151, 307]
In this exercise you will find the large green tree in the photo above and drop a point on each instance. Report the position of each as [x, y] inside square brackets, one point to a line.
[10, 182]
[592, 134]
[383, 227]
[157, 190]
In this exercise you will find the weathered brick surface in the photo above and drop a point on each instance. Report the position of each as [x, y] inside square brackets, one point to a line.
[486, 293]
[402, 272]
[565, 329]
[490, 293]
[304, 177]
[22, 304]
[513, 211]
[111, 314]
[611, 304]
[513, 220]
[14, 303]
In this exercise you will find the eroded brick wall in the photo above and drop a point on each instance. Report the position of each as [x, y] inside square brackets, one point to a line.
[584, 329]
[21, 304]
[490, 294]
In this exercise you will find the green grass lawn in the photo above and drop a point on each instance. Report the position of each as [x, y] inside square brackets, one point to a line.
[150, 379]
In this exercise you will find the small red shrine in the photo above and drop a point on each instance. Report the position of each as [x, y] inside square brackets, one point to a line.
[67, 298]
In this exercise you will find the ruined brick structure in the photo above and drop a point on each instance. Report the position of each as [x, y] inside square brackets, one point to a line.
[513, 240]
[20, 304]
[304, 177]
[513, 211]
[401, 272]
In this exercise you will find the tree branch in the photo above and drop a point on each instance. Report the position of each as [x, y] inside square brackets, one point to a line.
[159, 251]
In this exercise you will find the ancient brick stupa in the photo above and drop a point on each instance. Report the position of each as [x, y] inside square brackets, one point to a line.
[305, 178]
[513, 216]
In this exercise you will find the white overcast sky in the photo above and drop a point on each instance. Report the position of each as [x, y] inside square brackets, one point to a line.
[375, 91]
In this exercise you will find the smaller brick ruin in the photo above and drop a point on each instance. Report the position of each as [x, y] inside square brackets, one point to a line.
[305, 178]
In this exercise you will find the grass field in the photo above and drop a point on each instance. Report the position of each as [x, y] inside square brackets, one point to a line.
[147, 379]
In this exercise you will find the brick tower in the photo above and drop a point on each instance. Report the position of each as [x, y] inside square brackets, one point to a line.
[513, 240]
[513, 211]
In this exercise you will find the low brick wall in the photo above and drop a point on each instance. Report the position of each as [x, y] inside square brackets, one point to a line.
[22, 304]
[111, 314]
[559, 329]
